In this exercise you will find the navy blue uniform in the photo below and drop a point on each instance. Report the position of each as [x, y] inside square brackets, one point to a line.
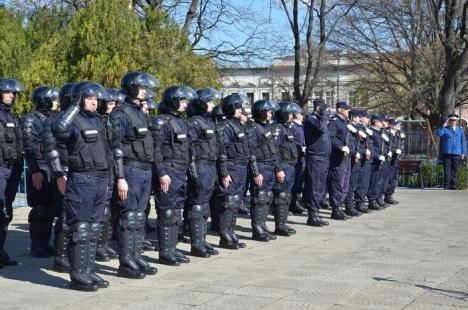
[318, 149]
[386, 166]
[365, 173]
[357, 148]
[11, 146]
[233, 162]
[299, 167]
[376, 165]
[88, 162]
[340, 164]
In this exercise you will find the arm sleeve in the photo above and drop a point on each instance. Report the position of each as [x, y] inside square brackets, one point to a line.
[160, 134]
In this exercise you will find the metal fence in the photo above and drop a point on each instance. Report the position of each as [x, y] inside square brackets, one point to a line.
[420, 164]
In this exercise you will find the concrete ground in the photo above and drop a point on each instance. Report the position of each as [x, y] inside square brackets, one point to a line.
[411, 256]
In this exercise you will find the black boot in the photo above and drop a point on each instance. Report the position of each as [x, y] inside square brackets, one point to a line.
[95, 235]
[314, 220]
[4, 258]
[225, 219]
[381, 203]
[38, 232]
[337, 214]
[360, 207]
[206, 214]
[324, 204]
[197, 232]
[167, 220]
[61, 263]
[232, 232]
[138, 245]
[128, 268]
[104, 253]
[373, 205]
[349, 209]
[258, 218]
[280, 212]
[179, 255]
[78, 256]
[390, 200]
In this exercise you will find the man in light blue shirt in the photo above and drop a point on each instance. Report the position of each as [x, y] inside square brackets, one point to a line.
[452, 148]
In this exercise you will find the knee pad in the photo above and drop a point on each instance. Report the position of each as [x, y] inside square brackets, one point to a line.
[95, 229]
[140, 220]
[167, 217]
[233, 202]
[281, 198]
[261, 197]
[206, 210]
[129, 221]
[81, 232]
[196, 213]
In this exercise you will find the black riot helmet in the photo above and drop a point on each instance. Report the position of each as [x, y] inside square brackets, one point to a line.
[10, 85]
[65, 95]
[173, 95]
[133, 80]
[200, 105]
[285, 109]
[231, 103]
[260, 109]
[113, 94]
[84, 89]
[43, 97]
[217, 114]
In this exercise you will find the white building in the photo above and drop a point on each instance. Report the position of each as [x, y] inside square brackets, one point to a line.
[276, 81]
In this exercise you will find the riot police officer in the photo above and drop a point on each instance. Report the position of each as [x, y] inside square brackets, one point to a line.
[133, 153]
[287, 159]
[388, 154]
[11, 144]
[172, 157]
[318, 149]
[104, 252]
[264, 169]
[56, 156]
[42, 192]
[299, 177]
[85, 135]
[232, 170]
[202, 169]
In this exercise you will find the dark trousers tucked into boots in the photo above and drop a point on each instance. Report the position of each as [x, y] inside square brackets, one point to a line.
[61, 263]
[259, 213]
[128, 268]
[227, 221]
[197, 231]
[104, 252]
[80, 256]
[167, 235]
[281, 204]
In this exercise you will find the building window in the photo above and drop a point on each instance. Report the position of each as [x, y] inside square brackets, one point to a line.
[265, 96]
[285, 96]
[251, 97]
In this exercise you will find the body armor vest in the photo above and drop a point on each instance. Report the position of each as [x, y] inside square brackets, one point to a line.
[11, 140]
[239, 150]
[139, 145]
[287, 149]
[177, 147]
[206, 147]
[266, 149]
[90, 152]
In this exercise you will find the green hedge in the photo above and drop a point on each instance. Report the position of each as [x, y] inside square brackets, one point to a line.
[433, 176]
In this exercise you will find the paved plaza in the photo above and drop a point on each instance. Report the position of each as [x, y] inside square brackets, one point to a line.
[411, 256]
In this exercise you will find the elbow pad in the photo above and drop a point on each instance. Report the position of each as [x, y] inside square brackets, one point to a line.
[222, 165]
[253, 166]
[53, 160]
[118, 164]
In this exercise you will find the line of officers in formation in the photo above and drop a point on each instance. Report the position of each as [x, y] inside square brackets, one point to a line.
[103, 155]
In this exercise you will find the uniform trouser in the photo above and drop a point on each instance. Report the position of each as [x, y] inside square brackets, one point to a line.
[299, 178]
[267, 170]
[289, 180]
[356, 169]
[315, 181]
[208, 177]
[451, 163]
[375, 184]
[9, 179]
[177, 193]
[387, 173]
[363, 181]
[393, 176]
[339, 182]
[43, 204]
[85, 198]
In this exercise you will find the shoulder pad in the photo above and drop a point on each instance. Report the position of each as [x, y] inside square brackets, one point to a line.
[334, 118]
[314, 116]
[351, 128]
[160, 121]
[28, 119]
[276, 131]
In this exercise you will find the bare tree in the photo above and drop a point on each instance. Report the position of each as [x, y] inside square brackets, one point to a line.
[329, 13]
